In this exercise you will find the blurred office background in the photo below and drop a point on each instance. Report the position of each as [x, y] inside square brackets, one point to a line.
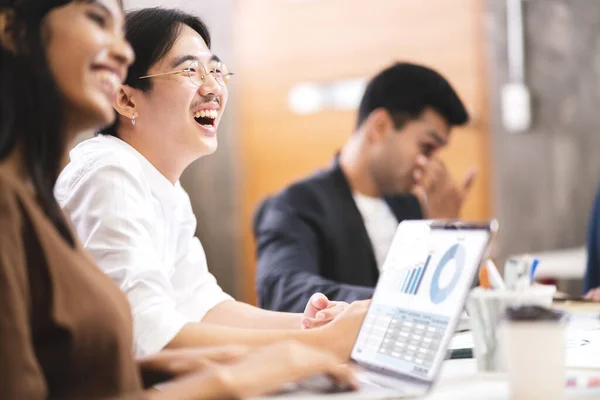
[300, 66]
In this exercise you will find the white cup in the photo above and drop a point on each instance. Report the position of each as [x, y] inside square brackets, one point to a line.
[533, 346]
[486, 310]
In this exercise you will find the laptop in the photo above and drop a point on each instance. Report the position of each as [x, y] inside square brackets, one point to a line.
[416, 306]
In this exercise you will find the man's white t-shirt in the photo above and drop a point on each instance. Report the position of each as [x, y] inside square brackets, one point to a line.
[140, 229]
[380, 222]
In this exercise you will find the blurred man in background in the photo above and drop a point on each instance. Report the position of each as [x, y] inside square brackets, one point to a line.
[331, 231]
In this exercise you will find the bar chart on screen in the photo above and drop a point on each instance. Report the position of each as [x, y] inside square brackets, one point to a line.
[411, 279]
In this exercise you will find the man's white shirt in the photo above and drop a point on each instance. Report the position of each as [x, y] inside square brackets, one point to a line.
[140, 229]
[380, 223]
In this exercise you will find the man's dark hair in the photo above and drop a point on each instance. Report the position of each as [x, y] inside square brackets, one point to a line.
[405, 90]
[152, 32]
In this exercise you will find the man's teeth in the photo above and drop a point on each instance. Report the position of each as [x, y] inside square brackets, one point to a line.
[206, 114]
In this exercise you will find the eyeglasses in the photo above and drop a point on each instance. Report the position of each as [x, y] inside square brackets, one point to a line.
[198, 74]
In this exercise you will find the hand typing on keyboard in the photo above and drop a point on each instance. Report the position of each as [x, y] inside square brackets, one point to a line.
[275, 365]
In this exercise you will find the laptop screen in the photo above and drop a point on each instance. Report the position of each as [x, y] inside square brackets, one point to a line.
[419, 297]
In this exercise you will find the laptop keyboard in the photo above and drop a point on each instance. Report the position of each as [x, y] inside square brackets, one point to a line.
[366, 382]
[322, 384]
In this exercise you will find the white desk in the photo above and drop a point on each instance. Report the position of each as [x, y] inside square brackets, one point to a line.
[459, 380]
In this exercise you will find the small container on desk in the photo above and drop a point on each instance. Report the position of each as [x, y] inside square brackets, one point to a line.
[533, 343]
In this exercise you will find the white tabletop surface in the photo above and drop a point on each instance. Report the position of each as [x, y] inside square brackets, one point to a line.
[459, 380]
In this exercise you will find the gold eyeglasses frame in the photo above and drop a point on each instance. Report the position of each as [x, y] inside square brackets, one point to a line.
[224, 81]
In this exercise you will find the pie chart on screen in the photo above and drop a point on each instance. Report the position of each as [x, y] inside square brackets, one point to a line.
[440, 291]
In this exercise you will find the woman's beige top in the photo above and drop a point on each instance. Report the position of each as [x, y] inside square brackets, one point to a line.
[65, 327]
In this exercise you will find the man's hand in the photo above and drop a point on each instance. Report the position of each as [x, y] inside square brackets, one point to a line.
[340, 335]
[320, 310]
[438, 193]
[593, 294]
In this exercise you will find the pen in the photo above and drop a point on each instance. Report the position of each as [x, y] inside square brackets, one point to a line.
[534, 265]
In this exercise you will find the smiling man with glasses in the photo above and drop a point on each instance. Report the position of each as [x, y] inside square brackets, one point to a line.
[122, 193]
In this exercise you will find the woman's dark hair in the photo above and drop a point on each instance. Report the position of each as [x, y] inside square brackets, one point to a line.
[31, 107]
[405, 90]
[152, 32]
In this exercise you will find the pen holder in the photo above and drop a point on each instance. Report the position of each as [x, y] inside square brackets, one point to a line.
[486, 310]
[519, 272]
[533, 339]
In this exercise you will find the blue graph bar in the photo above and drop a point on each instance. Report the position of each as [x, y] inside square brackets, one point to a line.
[410, 279]
[423, 274]
[406, 280]
[414, 282]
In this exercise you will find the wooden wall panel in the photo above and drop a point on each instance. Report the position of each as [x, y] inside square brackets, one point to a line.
[284, 42]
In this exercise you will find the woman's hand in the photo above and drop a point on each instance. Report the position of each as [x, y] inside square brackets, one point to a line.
[169, 364]
[269, 368]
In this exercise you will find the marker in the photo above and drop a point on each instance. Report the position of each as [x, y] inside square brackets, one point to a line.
[534, 265]
[494, 276]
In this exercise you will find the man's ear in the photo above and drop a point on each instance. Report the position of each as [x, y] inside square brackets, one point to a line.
[379, 125]
[124, 103]
[7, 33]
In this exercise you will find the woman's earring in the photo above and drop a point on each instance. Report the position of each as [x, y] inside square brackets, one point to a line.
[133, 120]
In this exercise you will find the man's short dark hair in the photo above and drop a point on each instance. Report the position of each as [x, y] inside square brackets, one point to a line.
[405, 90]
[152, 32]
